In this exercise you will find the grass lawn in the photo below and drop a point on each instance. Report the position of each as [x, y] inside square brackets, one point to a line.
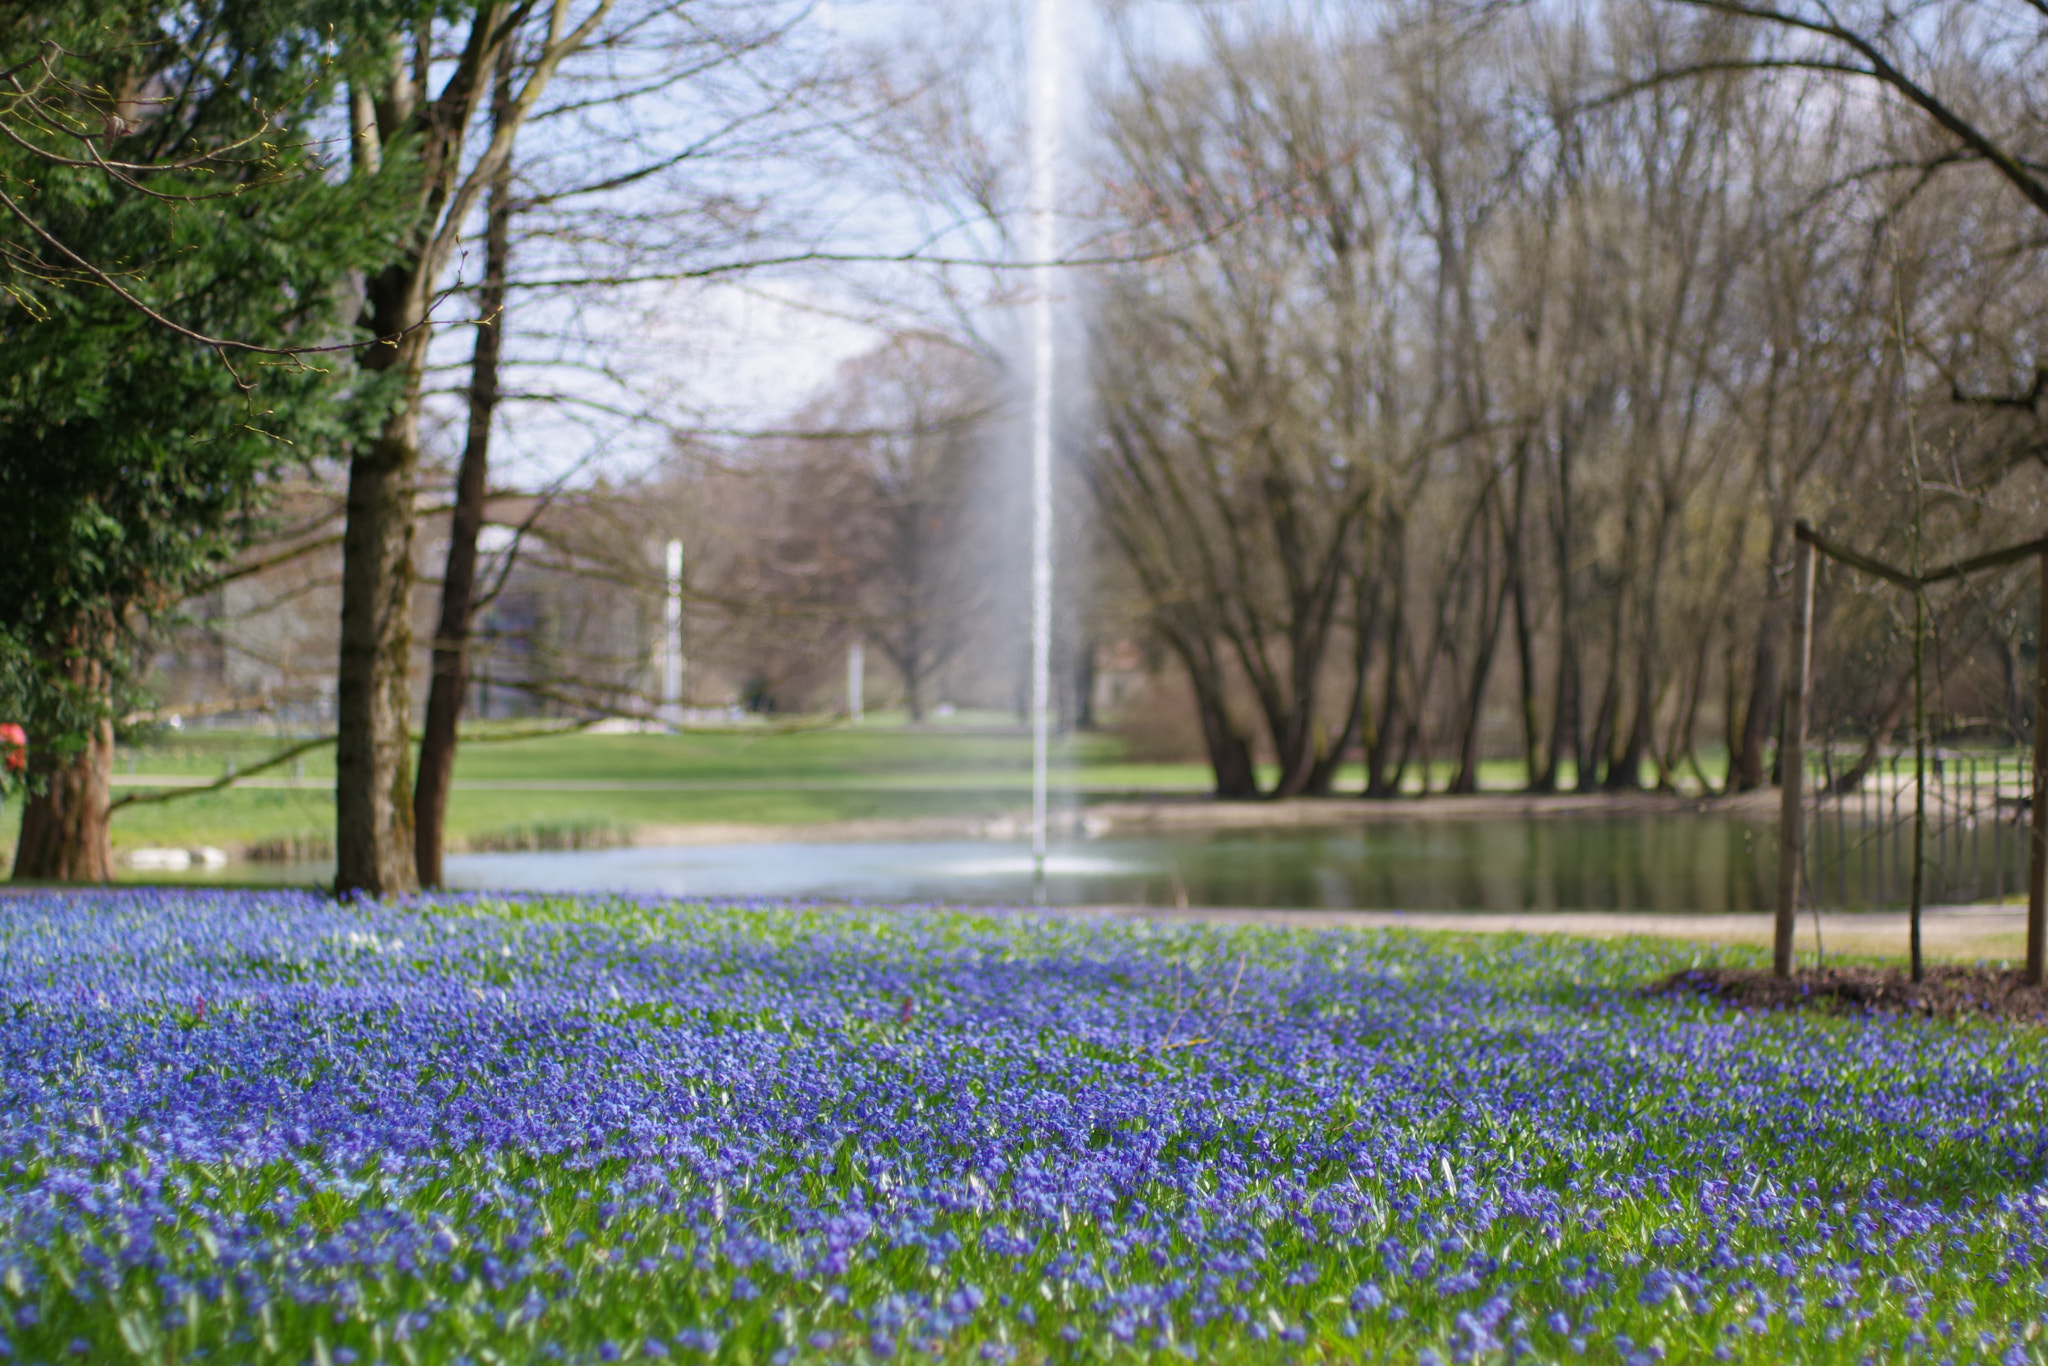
[617, 782]
[264, 1127]
[583, 782]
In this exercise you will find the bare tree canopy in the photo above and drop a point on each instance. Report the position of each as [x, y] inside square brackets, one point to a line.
[1485, 425]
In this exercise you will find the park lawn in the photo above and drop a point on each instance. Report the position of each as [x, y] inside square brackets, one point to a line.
[754, 775]
[1095, 761]
[747, 776]
[268, 1127]
[246, 816]
[507, 750]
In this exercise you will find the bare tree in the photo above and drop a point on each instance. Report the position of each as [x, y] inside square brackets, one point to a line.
[863, 524]
[1621, 332]
[1256, 408]
[374, 845]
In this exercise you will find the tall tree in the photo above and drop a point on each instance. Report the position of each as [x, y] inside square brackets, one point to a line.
[395, 115]
[691, 99]
[449, 677]
[862, 524]
[1259, 409]
[910, 420]
[132, 457]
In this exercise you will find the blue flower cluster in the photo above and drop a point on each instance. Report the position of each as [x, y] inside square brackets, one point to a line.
[270, 1127]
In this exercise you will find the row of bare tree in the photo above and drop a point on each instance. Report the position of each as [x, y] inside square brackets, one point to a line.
[1470, 377]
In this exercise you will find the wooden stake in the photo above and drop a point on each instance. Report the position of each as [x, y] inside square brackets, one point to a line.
[1919, 888]
[1792, 755]
[2037, 855]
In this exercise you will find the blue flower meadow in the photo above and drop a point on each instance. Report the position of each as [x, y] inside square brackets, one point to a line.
[270, 1127]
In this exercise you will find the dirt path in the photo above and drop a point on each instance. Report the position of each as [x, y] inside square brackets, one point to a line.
[1966, 933]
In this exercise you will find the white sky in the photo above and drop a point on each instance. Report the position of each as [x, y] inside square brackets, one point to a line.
[744, 353]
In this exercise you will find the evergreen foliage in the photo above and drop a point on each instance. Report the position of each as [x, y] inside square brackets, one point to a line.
[133, 459]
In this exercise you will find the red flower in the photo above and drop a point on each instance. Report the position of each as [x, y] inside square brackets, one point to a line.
[15, 741]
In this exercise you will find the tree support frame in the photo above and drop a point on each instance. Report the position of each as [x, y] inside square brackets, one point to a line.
[1792, 747]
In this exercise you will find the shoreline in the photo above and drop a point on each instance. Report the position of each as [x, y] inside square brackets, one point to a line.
[1948, 932]
[1951, 932]
[1133, 816]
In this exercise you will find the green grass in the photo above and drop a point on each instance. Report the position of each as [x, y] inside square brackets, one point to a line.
[747, 776]
[754, 775]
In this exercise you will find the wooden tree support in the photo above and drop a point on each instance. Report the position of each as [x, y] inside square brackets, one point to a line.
[2037, 852]
[1792, 758]
[1792, 751]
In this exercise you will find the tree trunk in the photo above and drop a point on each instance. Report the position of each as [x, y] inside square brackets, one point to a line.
[2015, 707]
[1731, 710]
[1746, 767]
[373, 789]
[373, 842]
[1379, 746]
[449, 679]
[1322, 778]
[1681, 745]
[1568, 724]
[909, 664]
[1301, 744]
[1599, 744]
[64, 824]
[1492, 609]
[1609, 743]
[1466, 779]
[1759, 717]
[1289, 707]
[1230, 756]
[1606, 736]
[1084, 686]
[1365, 624]
[1625, 768]
[1650, 694]
[1567, 729]
[1542, 776]
[1625, 773]
[1416, 744]
[1307, 758]
[1385, 764]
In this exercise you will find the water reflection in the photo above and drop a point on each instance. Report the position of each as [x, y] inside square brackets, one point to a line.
[1671, 863]
[1663, 863]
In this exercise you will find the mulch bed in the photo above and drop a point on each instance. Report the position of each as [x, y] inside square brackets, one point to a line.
[1949, 991]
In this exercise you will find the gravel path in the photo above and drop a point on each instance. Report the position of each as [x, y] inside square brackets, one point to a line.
[1954, 932]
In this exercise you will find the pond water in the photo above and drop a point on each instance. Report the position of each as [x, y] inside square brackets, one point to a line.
[1669, 862]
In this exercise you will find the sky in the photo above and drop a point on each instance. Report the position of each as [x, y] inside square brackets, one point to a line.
[624, 366]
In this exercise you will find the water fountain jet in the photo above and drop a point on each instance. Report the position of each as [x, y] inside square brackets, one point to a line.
[1046, 59]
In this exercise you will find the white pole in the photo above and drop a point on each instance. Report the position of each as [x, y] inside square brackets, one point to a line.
[1047, 54]
[856, 679]
[672, 640]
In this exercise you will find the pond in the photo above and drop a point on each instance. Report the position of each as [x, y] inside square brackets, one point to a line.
[1667, 862]
[1498, 865]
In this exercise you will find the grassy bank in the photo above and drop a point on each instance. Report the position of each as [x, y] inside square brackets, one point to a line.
[615, 783]
[618, 782]
[266, 1128]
